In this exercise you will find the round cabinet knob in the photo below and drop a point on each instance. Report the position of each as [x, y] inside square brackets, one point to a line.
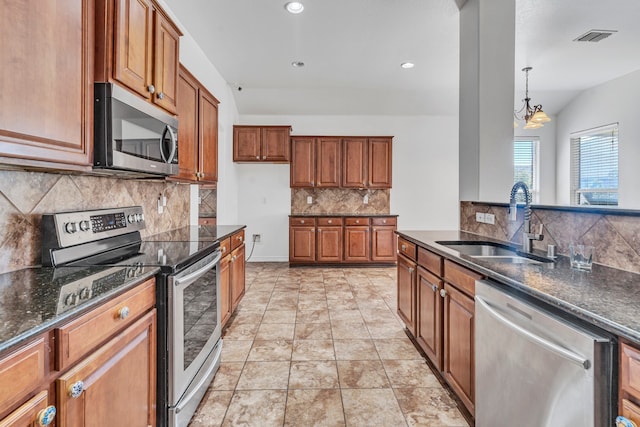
[411, 269]
[434, 288]
[302, 221]
[71, 227]
[258, 157]
[384, 221]
[76, 389]
[264, 157]
[319, 230]
[404, 247]
[223, 249]
[329, 221]
[443, 293]
[151, 88]
[240, 238]
[46, 416]
[357, 221]
[123, 313]
[131, 218]
[85, 225]
[160, 95]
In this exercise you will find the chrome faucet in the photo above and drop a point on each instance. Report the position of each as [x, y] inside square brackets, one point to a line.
[527, 235]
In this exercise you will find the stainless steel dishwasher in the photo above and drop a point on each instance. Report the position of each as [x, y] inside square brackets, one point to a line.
[535, 368]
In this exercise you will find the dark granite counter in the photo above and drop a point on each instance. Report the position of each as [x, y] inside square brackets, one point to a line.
[343, 215]
[196, 233]
[34, 300]
[605, 297]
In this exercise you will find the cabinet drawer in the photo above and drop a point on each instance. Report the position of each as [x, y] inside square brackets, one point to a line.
[78, 337]
[630, 369]
[225, 246]
[206, 221]
[237, 239]
[461, 277]
[21, 372]
[306, 221]
[384, 221]
[356, 221]
[406, 248]
[28, 413]
[329, 221]
[630, 411]
[430, 261]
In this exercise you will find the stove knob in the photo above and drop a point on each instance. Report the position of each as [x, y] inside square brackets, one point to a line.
[138, 217]
[71, 227]
[85, 225]
[70, 299]
[141, 217]
[84, 293]
[131, 218]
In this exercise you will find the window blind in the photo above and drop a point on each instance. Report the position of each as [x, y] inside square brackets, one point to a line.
[525, 163]
[594, 166]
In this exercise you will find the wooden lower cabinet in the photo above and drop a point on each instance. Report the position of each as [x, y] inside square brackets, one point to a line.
[237, 276]
[629, 387]
[407, 292]
[30, 414]
[383, 243]
[302, 240]
[429, 313]
[459, 360]
[231, 273]
[329, 244]
[357, 243]
[224, 273]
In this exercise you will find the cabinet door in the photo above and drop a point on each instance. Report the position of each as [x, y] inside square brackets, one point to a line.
[630, 411]
[429, 316]
[302, 244]
[379, 163]
[407, 292]
[383, 243]
[275, 144]
[28, 415]
[354, 162]
[224, 273]
[46, 112]
[246, 144]
[165, 70]
[133, 43]
[303, 156]
[459, 359]
[208, 137]
[357, 244]
[329, 244]
[328, 163]
[237, 276]
[116, 384]
[187, 126]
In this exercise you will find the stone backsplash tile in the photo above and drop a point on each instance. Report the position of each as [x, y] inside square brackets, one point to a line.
[208, 201]
[339, 201]
[616, 238]
[26, 196]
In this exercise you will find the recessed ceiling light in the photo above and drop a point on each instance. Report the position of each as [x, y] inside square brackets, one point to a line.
[297, 64]
[407, 65]
[294, 7]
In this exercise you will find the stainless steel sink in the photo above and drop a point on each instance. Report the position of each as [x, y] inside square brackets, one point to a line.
[492, 252]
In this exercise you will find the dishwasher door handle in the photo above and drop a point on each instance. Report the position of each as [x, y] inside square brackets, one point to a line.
[554, 348]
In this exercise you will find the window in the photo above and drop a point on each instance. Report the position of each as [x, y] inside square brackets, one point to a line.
[594, 166]
[525, 164]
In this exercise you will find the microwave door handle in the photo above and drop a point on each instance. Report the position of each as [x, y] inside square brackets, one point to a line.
[198, 273]
[172, 138]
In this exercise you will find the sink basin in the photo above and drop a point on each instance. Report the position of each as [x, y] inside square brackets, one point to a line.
[492, 252]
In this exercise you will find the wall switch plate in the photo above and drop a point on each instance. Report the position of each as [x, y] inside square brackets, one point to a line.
[309, 200]
[479, 217]
[489, 218]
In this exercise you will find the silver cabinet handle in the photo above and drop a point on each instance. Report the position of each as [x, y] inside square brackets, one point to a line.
[434, 288]
[123, 313]
[411, 269]
[76, 389]
[151, 88]
[404, 247]
[161, 95]
[554, 348]
[443, 293]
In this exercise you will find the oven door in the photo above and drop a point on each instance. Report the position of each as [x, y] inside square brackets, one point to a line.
[193, 323]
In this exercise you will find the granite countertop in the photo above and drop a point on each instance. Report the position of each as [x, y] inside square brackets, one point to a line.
[344, 215]
[605, 297]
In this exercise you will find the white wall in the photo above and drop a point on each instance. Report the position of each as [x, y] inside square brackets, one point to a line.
[610, 102]
[425, 175]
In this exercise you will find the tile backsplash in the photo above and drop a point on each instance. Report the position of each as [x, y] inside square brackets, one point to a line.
[339, 201]
[615, 237]
[208, 202]
[25, 196]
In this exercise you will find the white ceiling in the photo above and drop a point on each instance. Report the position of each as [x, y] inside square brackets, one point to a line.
[352, 50]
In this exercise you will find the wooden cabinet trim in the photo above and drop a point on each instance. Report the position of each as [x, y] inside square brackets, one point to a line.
[78, 337]
[429, 316]
[406, 248]
[430, 261]
[406, 307]
[463, 278]
[384, 221]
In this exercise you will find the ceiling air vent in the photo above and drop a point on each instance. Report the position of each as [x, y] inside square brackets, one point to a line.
[594, 35]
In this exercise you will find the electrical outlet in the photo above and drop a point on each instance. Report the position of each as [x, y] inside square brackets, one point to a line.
[489, 218]
[257, 238]
[365, 199]
[309, 200]
[479, 216]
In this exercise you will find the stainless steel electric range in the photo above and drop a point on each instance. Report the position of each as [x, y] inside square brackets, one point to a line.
[187, 287]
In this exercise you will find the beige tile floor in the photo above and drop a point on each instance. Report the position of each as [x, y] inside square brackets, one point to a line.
[322, 347]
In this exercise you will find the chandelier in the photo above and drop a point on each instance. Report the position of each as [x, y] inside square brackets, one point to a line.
[534, 117]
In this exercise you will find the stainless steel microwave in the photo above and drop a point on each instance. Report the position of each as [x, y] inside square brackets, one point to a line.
[132, 136]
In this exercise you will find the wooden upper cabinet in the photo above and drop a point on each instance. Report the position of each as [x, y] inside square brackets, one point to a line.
[138, 46]
[46, 113]
[379, 163]
[354, 162]
[197, 130]
[328, 163]
[303, 156]
[261, 143]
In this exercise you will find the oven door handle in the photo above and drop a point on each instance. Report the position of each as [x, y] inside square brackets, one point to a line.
[198, 273]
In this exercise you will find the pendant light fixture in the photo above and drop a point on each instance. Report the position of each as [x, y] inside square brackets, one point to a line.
[534, 117]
